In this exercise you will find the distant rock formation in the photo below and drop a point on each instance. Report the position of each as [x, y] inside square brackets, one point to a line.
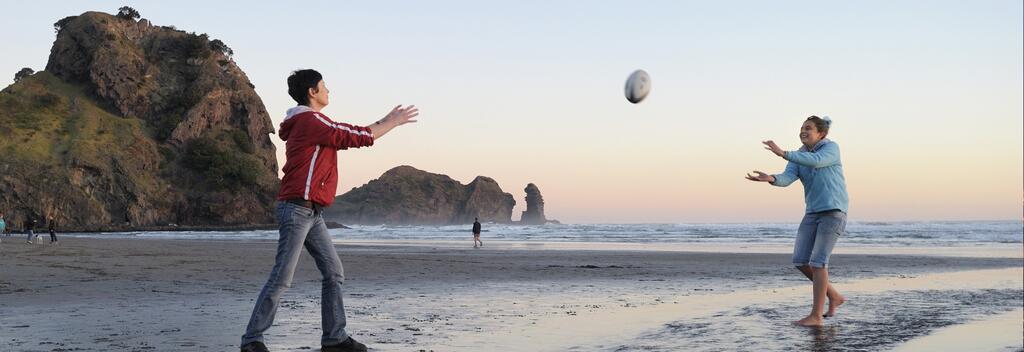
[135, 126]
[405, 195]
[534, 214]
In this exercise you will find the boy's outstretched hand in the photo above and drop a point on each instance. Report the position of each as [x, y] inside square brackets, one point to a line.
[397, 117]
[402, 115]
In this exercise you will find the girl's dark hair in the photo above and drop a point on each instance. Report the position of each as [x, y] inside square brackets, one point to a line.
[821, 124]
[300, 82]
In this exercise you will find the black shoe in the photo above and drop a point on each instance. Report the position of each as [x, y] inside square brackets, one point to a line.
[255, 347]
[350, 345]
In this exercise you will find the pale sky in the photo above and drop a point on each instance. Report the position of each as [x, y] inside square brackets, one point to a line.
[926, 96]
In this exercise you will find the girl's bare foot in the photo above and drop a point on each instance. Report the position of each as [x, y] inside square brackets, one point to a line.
[810, 321]
[833, 304]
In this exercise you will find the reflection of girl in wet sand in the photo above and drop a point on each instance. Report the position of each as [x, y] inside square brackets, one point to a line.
[816, 164]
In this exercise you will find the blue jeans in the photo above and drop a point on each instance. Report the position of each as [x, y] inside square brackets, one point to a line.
[816, 236]
[301, 227]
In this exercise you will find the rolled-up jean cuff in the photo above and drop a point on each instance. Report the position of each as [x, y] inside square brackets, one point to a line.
[817, 265]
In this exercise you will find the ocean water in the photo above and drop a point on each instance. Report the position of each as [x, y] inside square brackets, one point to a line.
[860, 233]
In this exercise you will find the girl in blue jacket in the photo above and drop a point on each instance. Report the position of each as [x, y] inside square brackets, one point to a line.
[816, 164]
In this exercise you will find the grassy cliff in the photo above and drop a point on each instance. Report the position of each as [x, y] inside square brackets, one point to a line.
[135, 126]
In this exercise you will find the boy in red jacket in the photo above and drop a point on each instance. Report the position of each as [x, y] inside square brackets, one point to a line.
[312, 141]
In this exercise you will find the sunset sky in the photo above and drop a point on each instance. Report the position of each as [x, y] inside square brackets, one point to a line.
[926, 96]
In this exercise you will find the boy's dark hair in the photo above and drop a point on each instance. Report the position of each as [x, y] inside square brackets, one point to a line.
[300, 82]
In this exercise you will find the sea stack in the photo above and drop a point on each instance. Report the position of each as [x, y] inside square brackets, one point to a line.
[534, 214]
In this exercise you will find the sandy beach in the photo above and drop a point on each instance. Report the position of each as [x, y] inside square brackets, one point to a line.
[91, 294]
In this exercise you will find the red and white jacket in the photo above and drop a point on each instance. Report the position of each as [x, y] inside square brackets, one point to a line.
[312, 141]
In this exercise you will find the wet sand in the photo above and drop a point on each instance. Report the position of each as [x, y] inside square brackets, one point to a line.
[995, 333]
[174, 295]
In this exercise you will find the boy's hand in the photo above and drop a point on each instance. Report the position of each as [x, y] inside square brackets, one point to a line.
[397, 117]
[400, 116]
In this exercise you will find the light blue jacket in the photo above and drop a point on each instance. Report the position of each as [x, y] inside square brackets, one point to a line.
[821, 172]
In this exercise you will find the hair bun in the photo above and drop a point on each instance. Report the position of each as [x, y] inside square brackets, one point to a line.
[828, 121]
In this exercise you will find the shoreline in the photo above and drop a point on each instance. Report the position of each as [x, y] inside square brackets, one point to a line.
[335, 225]
[988, 250]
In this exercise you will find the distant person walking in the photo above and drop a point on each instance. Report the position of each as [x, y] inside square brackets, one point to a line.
[51, 224]
[3, 225]
[476, 232]
[310, 182]
[30, 225]
[817, 165]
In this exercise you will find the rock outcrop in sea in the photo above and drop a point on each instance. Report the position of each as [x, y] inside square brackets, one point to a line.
[534, 213]
[405, 195]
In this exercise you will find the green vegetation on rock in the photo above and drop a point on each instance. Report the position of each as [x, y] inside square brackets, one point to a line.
[225, 167]
[135, 126]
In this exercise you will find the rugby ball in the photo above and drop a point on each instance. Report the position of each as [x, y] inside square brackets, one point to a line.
[637, 86]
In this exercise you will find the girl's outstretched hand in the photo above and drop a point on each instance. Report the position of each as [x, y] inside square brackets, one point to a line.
[774, 148]
[760, 177]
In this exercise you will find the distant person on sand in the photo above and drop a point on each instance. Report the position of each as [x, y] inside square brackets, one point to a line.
[310, 181]
[30, 224]
[816, 164]
[3, 225]
[476, 232]
[51, 225]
